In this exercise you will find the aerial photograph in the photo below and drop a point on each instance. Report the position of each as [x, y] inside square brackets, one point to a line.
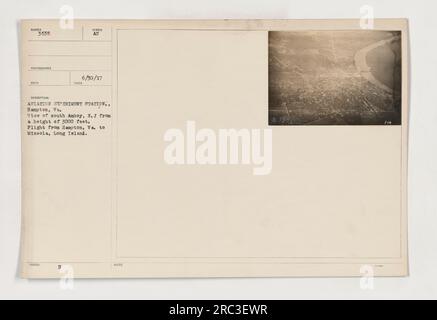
[335, 77]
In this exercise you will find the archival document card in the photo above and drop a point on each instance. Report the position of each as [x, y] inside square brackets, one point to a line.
[214, 148]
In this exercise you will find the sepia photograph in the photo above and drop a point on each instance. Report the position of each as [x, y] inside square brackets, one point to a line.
[335, 77]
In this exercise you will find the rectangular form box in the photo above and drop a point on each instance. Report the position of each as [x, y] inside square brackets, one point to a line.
[48, 78]
[91, 78]
[70, 48]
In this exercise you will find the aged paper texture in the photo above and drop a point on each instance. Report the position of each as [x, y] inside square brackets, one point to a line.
[215, 148]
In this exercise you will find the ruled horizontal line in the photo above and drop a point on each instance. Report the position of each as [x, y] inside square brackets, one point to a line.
[68, 55]
[69, 70]
[70, 85]
[35, 40]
